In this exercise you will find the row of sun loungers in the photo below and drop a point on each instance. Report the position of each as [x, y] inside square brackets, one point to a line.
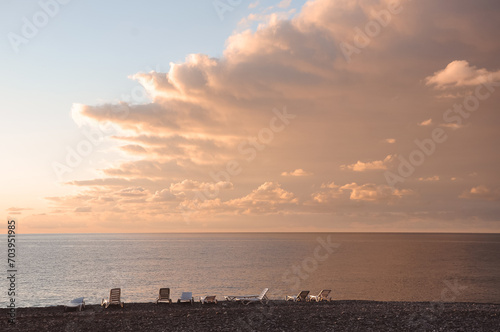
[164, 297]
[304, 296]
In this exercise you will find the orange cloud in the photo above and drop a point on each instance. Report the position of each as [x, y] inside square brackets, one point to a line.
[426, 123]
[207, 113]
[297, 172]
[482, 192]
[459, 73]
[372, 165]
[372, 192]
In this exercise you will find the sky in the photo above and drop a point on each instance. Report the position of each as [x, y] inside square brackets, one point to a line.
[258, 116]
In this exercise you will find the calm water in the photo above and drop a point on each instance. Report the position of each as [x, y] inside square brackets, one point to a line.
[53, 269]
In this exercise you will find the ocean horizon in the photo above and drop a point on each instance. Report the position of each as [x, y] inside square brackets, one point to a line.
[451, 267]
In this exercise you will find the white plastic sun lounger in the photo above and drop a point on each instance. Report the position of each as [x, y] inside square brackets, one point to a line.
[302, 296]
[186, 297]
[247, 299]
[322, 296]
[208, 299]
[77, 304]
[114, 298]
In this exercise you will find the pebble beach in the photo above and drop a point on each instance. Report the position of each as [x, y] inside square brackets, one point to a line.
[274, 316]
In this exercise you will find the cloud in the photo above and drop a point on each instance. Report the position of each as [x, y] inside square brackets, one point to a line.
[134, 149]
[191, 185]
[268, 198]
[166, 195]
[284, 4]
[429, 179]
[297, 172]
[374, 193]
[83, 209]
[107, 182]
[332, 194]
[17, 210]
[329, 192]
[460, 73]
[254, 4]
[426, 123]
[209, 112]
[373, 165]
[132, 192]
[482, 192]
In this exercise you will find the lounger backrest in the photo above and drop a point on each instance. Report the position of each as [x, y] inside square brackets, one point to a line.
[164, 293]
[302, 295]
[264, 292]
[324, 293]
[186, 296]
[114, 295]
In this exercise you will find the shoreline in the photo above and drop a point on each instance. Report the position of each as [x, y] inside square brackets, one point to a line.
[271, 301]
[341, 315]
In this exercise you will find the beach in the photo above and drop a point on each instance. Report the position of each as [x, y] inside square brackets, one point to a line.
[274, 316]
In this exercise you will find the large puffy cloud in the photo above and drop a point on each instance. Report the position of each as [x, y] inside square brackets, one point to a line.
[211, 143]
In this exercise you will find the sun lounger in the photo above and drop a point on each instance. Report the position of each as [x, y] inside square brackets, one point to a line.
[322, 296]
[114, 298]
[186, 297]
[302, 296]
[208, 299]
[164, 296]
[247, 299]
[77, 304]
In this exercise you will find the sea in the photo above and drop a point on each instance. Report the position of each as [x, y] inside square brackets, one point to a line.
[53, 269]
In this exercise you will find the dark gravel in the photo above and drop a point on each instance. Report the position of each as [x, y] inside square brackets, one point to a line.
[275, 316]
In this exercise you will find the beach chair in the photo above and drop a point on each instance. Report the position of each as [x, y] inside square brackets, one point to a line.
[247, 299]
[322, 296]
[114, 298]
[164, 296]
[208, 299]
[186, 297]
[77, 304]
[302, 296]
